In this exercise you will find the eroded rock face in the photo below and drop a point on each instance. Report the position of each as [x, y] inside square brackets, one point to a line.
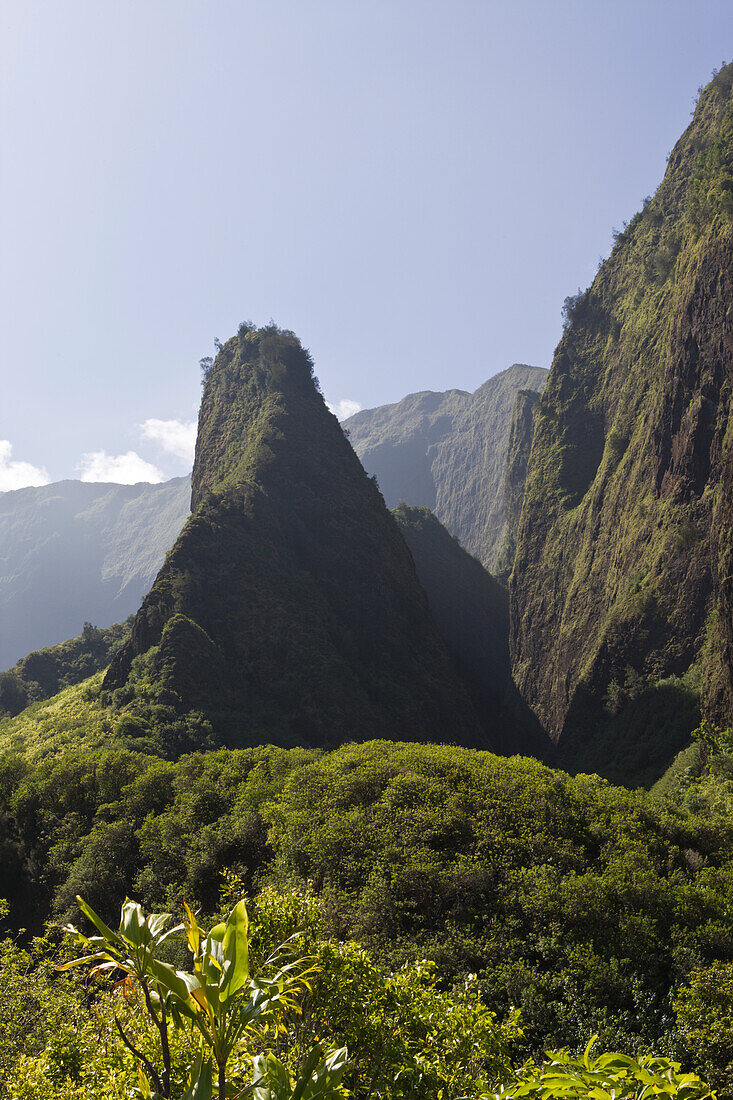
[518, 452]
[289, 609]
[448, 452]
[620, 577]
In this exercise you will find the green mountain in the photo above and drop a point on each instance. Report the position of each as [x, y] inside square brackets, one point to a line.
[471, 610]
[621, 597]
[289, 609]
[73, 552]
[447, 452]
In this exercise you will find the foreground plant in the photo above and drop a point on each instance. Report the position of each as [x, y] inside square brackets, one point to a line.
[218, 1003]
[605, 1077]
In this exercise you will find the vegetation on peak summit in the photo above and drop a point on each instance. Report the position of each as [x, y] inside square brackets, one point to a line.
[289, 610]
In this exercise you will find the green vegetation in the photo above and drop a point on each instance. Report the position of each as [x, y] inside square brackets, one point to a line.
[279, 1003]
[604, 1075]
[48, 671]
[429, 922]
[515, 476]
[585, 906]
[623, 544]
[289, 609]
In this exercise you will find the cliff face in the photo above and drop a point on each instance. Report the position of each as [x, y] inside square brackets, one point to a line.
[447, 452]
[74, 552]
[471, 610]
[520, 445]
[289, 609]
[620, 592]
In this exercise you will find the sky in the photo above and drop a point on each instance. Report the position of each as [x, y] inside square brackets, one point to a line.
[412, 186]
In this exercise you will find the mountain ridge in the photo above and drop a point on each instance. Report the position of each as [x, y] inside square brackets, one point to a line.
[74, 552]
[447, 452]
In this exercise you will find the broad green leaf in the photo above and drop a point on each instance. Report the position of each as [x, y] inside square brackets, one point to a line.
[133, 925]
[236, 953]
[109, 935]
[200, 1082]
[177, 982]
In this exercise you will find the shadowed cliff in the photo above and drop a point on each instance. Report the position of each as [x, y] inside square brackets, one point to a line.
[471, 610]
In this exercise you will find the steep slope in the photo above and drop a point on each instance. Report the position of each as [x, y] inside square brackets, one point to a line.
[447, 452]
[620, 596]
[74, 552]
[289, 608]
[471, 610]
[515, 476]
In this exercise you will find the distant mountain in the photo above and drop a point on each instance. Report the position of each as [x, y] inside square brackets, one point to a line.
[515, 476]
[289, 609]
[622, 589]
[447, 452]
[72, 553]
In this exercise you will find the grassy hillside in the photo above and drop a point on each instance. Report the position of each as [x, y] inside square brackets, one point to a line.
[48, 671]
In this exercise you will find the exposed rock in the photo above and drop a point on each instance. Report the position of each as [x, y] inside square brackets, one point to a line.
[447, 452]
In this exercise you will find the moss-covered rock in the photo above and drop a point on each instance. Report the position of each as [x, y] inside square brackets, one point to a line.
[518, 452]
[624, 539]
[289, 609]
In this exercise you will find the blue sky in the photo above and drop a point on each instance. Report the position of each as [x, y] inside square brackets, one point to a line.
[412, 186]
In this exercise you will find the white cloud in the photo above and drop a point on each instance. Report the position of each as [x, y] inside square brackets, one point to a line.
[344, 409]
[176, 437]
[126, 469]
[18, 475]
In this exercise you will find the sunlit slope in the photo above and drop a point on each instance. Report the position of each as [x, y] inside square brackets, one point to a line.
[73, 719]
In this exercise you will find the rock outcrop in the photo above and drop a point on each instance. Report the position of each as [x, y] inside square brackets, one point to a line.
[289, 609]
